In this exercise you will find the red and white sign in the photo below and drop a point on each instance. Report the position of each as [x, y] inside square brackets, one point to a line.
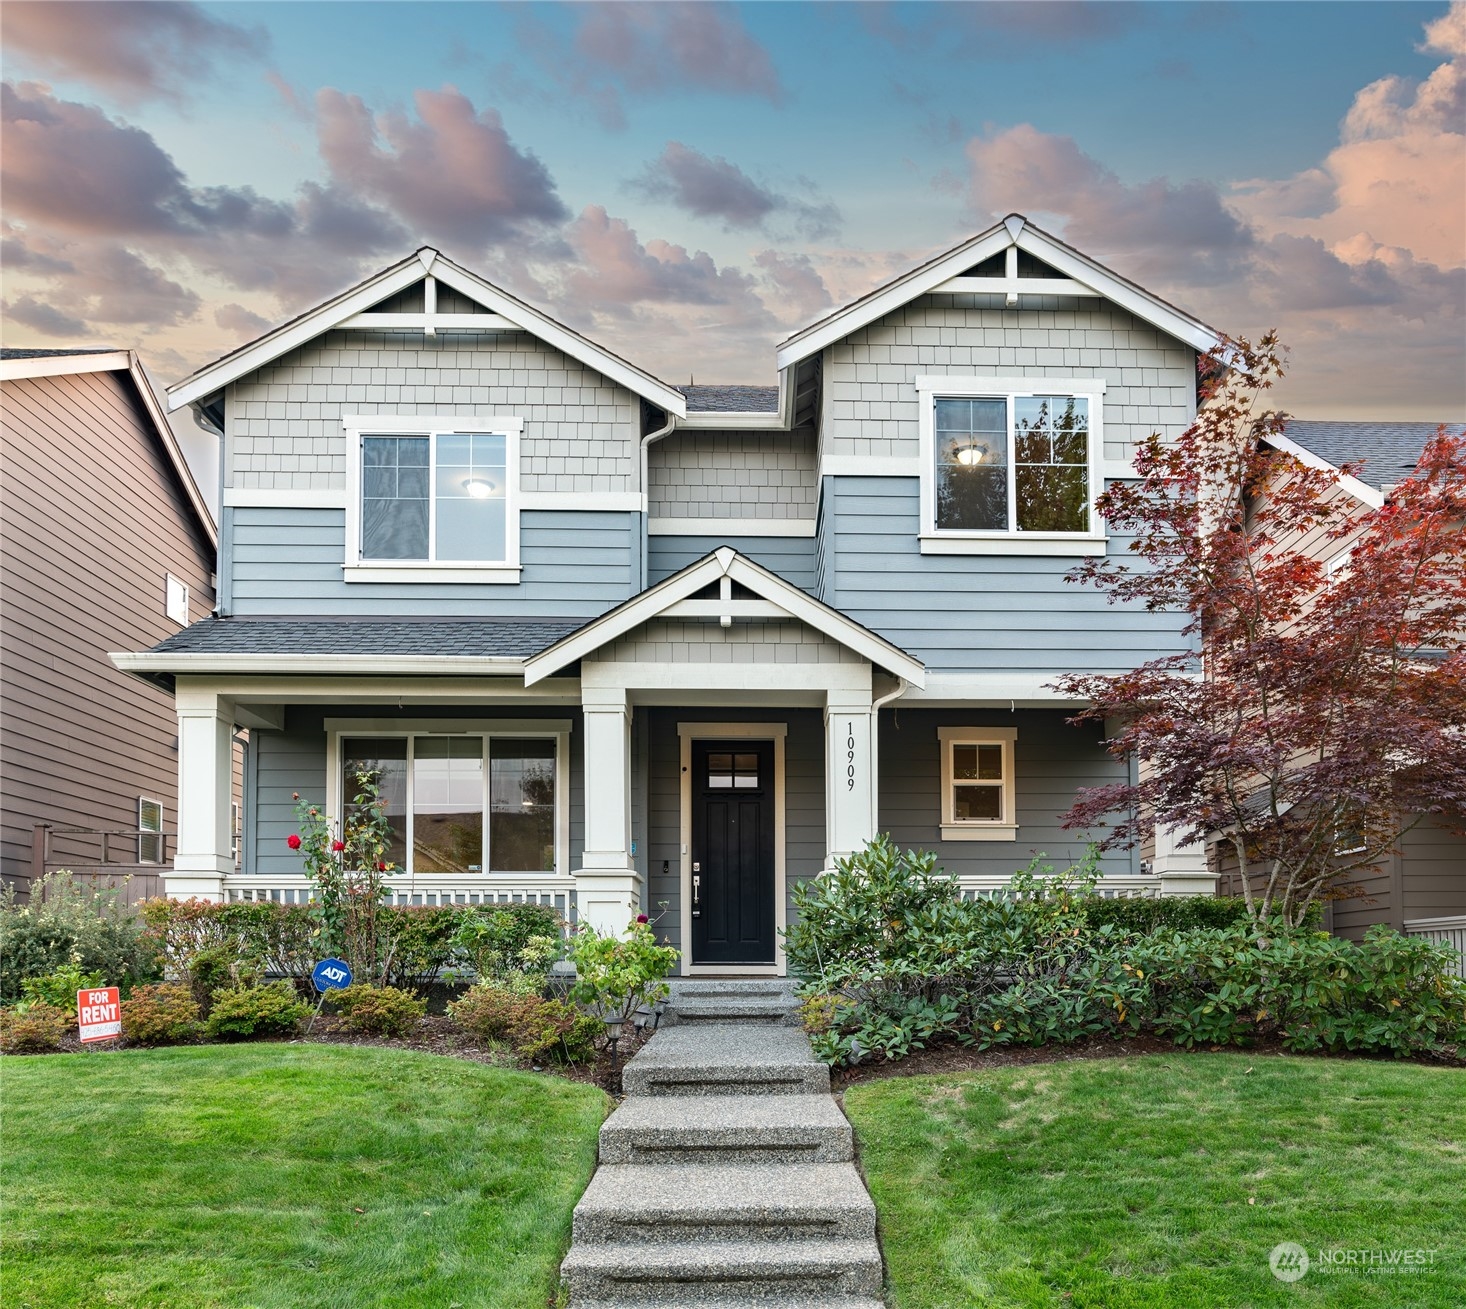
[99, 1014]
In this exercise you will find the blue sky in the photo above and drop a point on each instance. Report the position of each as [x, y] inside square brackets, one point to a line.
[691, 182]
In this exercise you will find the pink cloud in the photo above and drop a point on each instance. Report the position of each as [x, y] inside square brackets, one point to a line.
[452, 173]
[132, 49]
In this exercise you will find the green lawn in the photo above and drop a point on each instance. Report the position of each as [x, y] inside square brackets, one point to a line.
[287, 1175]
[1165, 1181]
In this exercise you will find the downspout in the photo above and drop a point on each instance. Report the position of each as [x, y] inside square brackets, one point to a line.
[664, 430]
[902, 685]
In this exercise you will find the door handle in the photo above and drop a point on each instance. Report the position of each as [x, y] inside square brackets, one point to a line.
[696, 883]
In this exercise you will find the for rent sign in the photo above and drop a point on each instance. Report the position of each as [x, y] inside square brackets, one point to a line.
[99, 1014]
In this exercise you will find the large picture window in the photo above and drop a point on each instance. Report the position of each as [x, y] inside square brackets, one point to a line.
[432, 495]
[464, 802]
[1012, 462]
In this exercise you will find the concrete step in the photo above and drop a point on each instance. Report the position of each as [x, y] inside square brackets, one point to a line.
[704, 986]
[680, 1203]
[726, 1129]
[771, 1008]
[726, 1059]
[723, 1274]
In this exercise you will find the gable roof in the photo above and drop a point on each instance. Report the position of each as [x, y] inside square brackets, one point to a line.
[1084, 276]
[776, 598]
[512, 313]
[18, 364]
[1389, 450]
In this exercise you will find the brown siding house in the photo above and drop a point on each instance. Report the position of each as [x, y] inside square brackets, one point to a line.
[98, 512]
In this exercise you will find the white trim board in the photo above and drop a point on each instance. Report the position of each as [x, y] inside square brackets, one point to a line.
[249, 497]
[725, 527]
[1359, 490]
[1014, 231]
[723, 563]
[408, 272]
[778, 734]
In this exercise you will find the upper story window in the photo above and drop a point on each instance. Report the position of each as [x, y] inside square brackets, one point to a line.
[432, 499]
[175, 599]
[1011, 465]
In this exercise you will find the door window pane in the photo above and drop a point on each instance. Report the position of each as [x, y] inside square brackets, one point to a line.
[521, 805]
[394, 497]
[448, 805]
[385, 759]
[730, 771]
[972, 464]
[472, 491]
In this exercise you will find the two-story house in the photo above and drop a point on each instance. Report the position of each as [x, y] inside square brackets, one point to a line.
[619, 645]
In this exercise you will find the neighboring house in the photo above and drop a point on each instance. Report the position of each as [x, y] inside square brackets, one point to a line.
[105, 542]
[1422, 890]
[617, 645]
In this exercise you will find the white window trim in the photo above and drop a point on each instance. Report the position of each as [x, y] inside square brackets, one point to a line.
[948, 541]
[979, 829]
[356, 569]
[162, 846]
[169, 582]
[556, 729]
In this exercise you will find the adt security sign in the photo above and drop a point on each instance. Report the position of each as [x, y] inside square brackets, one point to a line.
[331, 975]
[99, 1014]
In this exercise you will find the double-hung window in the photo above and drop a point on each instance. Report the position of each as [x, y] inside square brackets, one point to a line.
[432, 499]
[1011, 465]
[485, 800]
[978, 791]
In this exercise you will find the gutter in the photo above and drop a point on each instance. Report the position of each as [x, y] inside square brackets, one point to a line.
[646, 505]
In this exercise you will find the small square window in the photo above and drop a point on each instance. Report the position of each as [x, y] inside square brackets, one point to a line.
[175, 599]
[977, 783]
[150, 831]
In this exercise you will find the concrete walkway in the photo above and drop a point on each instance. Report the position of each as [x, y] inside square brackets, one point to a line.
[726, 1176]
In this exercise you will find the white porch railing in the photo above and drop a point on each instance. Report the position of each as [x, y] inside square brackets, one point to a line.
[991, 886]
[557, 892]
[1445, 931]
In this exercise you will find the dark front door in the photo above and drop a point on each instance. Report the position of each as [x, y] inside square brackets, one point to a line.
[732, 852]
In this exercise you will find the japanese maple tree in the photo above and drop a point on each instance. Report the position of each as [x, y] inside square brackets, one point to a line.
[1322, 712]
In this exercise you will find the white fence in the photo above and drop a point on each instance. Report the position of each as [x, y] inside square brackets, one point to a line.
[985, 887]
[1445, 931]
[557, 892]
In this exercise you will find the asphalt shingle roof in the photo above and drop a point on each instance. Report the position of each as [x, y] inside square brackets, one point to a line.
[1389, 450]
[10, 352]
[731, 399]
[468, 637]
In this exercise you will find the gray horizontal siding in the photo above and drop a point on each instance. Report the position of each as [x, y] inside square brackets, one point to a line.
[985, 613]
[576, 564]
[294, 760]
[1051, 762]
[791, 557]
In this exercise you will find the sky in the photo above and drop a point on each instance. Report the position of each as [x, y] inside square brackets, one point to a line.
[689, 183]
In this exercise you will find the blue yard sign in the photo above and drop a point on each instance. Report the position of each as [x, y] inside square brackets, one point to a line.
[331, 975]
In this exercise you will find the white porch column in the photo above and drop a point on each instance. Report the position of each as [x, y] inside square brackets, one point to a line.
[607, 885]
[850, 783]
[203, 856]
[1182, 868]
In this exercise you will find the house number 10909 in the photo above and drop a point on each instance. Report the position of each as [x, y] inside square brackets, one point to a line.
[850, 756]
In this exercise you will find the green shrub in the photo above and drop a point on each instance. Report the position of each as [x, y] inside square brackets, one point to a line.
[424, 943]
[69, 922]
[378, 1010]
[504, 939]
[34, 1028]
[1177, 913]
[616, 976]
[161, 1015]
[535, 1027]
[59, 988]
[244, 1011]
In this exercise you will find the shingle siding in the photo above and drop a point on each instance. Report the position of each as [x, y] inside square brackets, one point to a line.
[701, 641]
[870, 402]
[713, 475]
[284, 421]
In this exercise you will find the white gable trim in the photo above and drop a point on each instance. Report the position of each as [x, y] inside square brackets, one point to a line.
[110, 361]
[1014, 232]
[659, 600]
[337, 312]
[1359, 490]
